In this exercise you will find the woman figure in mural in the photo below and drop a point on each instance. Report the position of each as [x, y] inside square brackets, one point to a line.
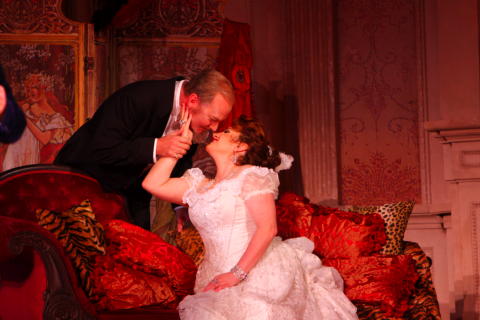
[247, 272]
[49, 124]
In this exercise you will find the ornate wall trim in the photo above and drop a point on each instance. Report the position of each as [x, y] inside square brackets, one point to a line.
[423, 105]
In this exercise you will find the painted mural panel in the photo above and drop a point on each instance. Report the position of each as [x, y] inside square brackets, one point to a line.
[161, 62]
[378, 101]
[43, 81]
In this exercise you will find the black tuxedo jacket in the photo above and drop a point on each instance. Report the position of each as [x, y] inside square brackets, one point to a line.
[116, 145]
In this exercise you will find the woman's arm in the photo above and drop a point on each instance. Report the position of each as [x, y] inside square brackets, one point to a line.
[262, 210]
[158, 181]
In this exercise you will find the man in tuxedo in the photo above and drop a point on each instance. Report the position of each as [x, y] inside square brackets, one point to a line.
[12, 119]
[138, 124]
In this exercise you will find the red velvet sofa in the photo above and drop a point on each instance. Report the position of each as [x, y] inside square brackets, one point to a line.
[37, 279]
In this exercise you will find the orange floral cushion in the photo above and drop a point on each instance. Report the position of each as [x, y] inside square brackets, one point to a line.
[145, 251]
[140, 269]
[342, 234]
[117, 286]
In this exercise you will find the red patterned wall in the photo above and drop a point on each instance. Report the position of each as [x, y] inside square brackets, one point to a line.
[170, 38]
[378, 101]
[159, 62]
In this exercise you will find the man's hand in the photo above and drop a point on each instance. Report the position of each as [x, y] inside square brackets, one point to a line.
[174, 145]
[3, 100]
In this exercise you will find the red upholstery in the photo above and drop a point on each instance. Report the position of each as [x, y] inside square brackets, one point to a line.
[24, 190]
[28, 292]
[294, 215]
[25, 277]
[24, 271]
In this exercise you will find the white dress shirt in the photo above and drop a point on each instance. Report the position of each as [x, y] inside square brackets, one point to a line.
[173, 115]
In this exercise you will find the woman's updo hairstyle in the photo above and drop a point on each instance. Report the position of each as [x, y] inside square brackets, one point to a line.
[259, 153]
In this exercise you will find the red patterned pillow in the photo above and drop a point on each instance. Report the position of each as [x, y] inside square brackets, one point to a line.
[145, 251]
[294, 215]
[117, 286]
[342, 234]
[384, 280]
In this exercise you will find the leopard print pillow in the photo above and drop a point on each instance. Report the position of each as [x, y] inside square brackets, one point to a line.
[396, 217]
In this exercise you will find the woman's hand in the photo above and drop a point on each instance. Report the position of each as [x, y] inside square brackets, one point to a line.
[222, 281]
[185, 131]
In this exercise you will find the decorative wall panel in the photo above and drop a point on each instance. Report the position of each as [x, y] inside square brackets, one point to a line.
[150, 61]
[190, 18]
[43, 56]
[378, 101]
[34, 16]
[166, 39]
[43, 79]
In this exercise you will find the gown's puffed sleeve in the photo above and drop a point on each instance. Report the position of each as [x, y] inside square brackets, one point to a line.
[193, 177]
[259, 180]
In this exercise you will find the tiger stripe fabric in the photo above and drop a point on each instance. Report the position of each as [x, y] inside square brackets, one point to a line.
[80, 234]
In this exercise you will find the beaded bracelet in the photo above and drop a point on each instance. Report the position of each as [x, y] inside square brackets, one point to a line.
[239, 273]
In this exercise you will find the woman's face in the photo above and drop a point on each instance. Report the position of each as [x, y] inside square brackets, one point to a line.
[224, 142]
[33, 94]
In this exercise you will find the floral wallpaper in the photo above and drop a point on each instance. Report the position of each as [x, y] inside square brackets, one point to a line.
[377, 97]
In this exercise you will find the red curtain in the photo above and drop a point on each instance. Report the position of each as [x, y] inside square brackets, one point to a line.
[235, 62]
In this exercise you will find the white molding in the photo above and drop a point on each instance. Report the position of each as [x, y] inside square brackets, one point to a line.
[423, 105]
[475, 216]
[309, 76]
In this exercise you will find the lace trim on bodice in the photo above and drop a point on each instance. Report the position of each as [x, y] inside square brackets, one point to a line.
[264, 180]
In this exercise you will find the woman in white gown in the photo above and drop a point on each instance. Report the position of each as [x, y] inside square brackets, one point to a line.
[247, 272]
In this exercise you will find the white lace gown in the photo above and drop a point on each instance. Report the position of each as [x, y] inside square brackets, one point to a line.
[289, 282]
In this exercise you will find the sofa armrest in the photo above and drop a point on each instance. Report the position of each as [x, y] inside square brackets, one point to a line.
[63, 297]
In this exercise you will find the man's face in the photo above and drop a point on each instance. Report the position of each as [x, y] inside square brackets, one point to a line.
[207, 116]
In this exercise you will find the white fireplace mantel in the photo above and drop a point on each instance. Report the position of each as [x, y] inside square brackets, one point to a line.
[461, 159]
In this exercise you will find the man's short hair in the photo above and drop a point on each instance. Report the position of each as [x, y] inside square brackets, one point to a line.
[208, 83]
